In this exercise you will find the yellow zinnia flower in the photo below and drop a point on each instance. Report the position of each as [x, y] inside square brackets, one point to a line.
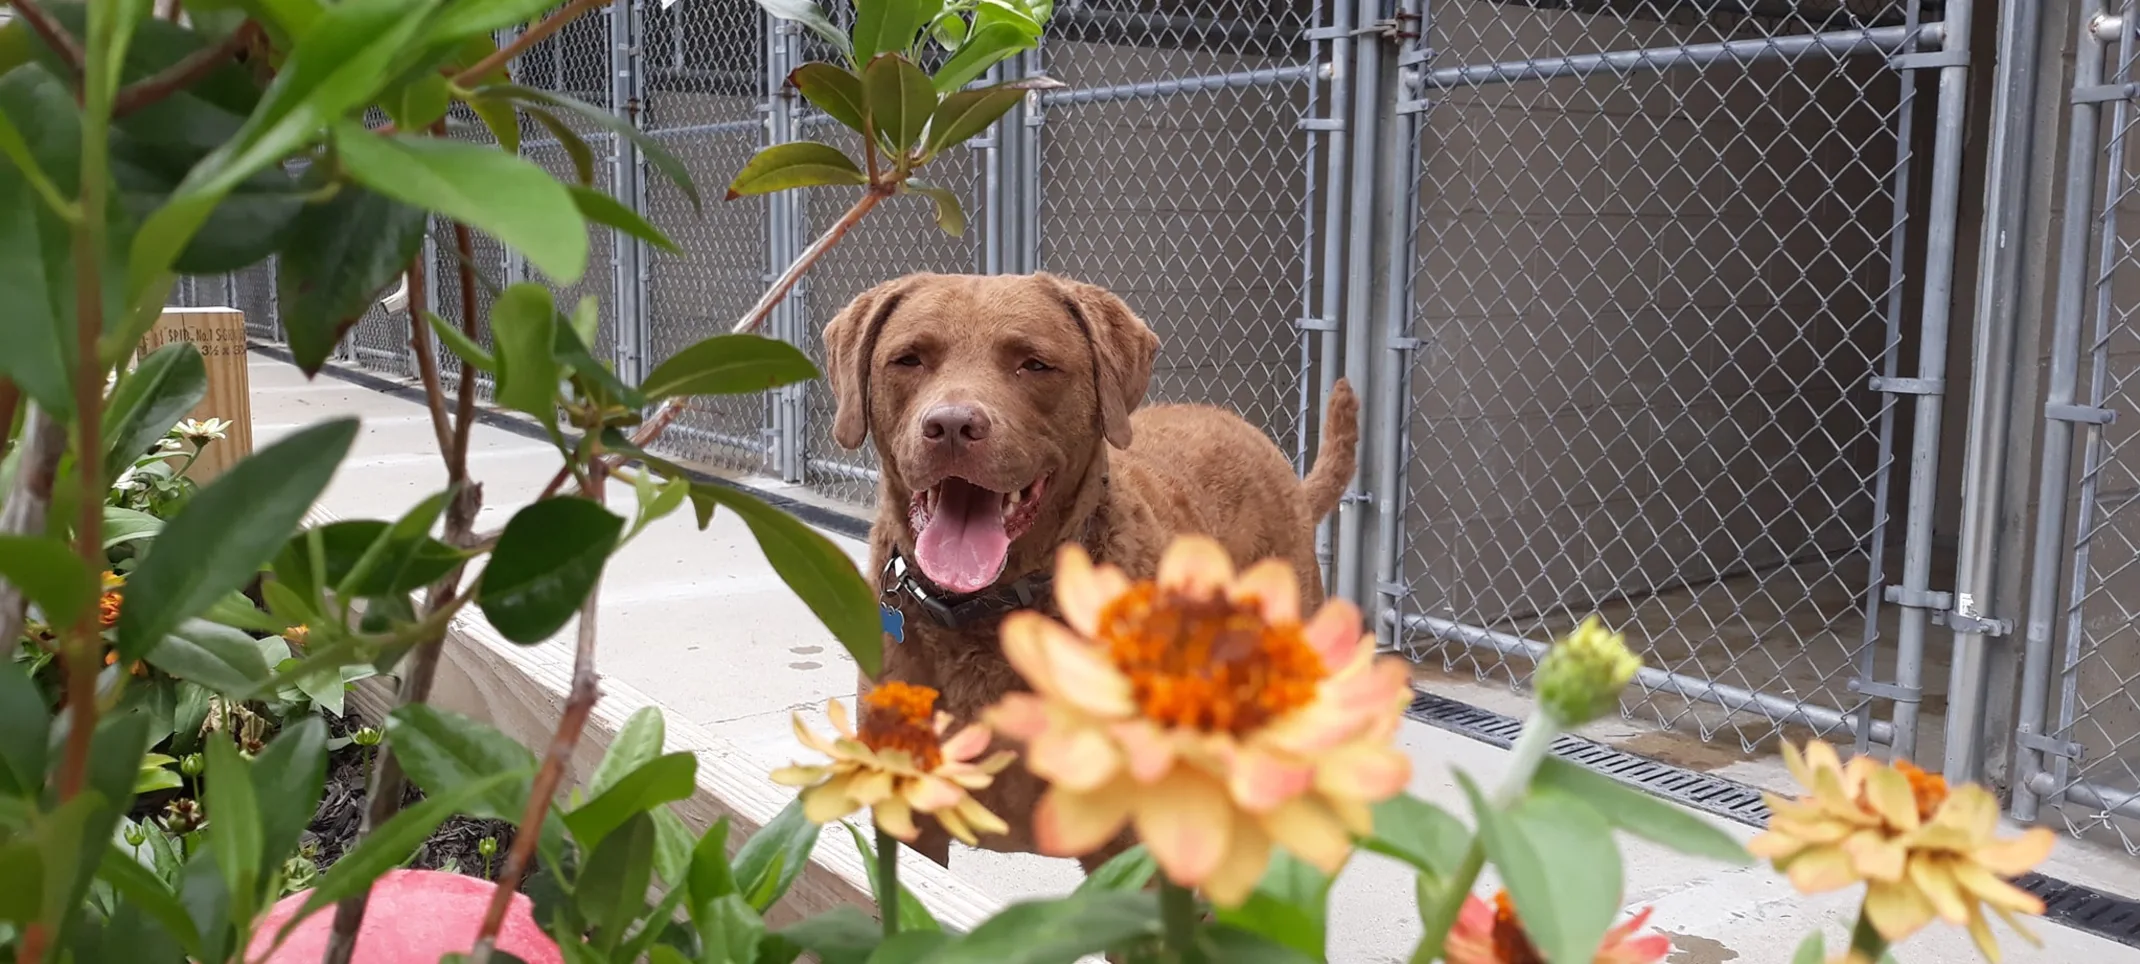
[898, 765]
[1923, 850]
[1202, 709]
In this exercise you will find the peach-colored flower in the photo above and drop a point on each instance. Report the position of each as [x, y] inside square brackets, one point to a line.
[108, 604]
[1492, 934]
[1924, 850]
[898, 765]
[297, 635]
[1203, 710]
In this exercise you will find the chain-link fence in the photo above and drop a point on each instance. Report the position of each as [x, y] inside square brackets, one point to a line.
[1669, 311]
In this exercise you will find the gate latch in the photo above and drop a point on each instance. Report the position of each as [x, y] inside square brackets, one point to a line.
[1955, 613]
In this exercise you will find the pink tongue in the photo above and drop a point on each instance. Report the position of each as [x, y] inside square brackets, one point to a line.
[964, 546]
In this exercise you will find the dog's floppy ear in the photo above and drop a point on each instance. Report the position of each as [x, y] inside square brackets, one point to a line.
[850, 340]
[1122, 351]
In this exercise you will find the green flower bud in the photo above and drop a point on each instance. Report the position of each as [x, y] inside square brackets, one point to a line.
[1581, 678]
[365, 737]
[192, 765]
[488, 847]
[136, 835]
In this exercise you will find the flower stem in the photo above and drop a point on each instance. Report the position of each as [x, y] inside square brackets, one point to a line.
[888, 881]
[1866, 944]
[1177, 909]
[1530, 751]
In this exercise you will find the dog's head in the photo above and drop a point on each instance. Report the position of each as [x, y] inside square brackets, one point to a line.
[991, 397]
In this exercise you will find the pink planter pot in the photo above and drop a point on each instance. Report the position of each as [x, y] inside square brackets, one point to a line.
[415, 916]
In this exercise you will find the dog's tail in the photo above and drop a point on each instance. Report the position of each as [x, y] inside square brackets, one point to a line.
[1339, 455]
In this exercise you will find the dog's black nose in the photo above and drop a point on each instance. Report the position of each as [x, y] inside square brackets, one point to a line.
[958, 424]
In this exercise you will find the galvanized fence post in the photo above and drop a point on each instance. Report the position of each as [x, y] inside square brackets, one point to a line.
[626, 253]
[1366, 264]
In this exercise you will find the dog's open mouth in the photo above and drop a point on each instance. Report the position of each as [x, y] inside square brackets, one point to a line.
[964, 531]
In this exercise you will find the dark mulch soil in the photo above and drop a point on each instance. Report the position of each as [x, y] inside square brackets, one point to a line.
[334, 826]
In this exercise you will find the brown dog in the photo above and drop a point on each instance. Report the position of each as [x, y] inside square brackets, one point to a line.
[1001, 411]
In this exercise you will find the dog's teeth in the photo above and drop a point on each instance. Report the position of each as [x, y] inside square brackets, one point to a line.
[1015, 497]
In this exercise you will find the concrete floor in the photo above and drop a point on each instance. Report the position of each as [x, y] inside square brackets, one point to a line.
[698, 621]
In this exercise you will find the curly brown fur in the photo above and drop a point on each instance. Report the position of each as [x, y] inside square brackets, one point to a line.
[1043, 378]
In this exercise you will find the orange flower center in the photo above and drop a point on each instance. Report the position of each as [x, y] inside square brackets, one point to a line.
[1212, 665]
[1930, 789]
[1511, 945]
[902, 716]
[108, 609]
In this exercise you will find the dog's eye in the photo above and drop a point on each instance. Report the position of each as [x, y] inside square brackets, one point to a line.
[1036, 365]
[908, 360]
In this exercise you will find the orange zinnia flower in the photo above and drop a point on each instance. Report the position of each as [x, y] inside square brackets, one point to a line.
[1923, 849]
[1492, 934]
[898, 765]
[1202, 709]
[108, 604]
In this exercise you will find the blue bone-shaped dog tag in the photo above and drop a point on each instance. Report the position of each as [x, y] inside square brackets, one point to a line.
[894, 622]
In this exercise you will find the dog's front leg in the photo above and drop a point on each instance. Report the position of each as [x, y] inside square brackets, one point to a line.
[933, 842]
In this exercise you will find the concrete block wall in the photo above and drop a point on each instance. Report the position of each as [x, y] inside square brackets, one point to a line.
[1649, 305]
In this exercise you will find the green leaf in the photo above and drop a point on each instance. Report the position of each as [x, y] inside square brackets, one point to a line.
[612, 886]
[950, 216]
[600, 208]
[834, 90]
[990, 44]
[207, 901]
[949, 30]
[165, 386]
[156, 776]
[502, 119]
[794, 164]
[1561, 867]
[1129, 870]
[1419, 833]
[636, 745]
[891, 25]
[462, 346]
[575, 146]
[139, 886]
[665, 779]
[1638, 813]
[17, 151]
[50, 575]
[842, 935]
[1056, 931]
[218, 657]
[548, 559]
[774, 858]
[287, 778]
[967, 113]
[25, 732]
[523, 325]
[443, 752]
[343, 62]
[234, 833]
[710, 876]
[805, 12]
[36, 271]
[899, 95]
[387, 846]
[729, 931]
[822, 575]
[369, 557]
[672, 848]
[1288, 906]
[70, 841]
[913, 914]
[1812, 950]
[501, 194]
[910, 947]
[344, 253]
[480, 18]
[122, 526]
[728, 365]
[224, 534]
[23, 867]
[1235, 945]
[651, 148]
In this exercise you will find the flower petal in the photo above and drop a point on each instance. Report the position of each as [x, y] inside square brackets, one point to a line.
[980, 818]
[1896, 910]
[1273, 587]
[894, 817]
[1335, 635]
[967, 744]
[1082, 590]
[799, 776]
[1308, 830]
[1935, 880]
[1079, 759]
[1889, 794]
[1991, 890]
[1018, 716]
[1820, 869]
[870, 786]
[828, 801]
[1195, 566]
[1061, 666]
[1070, 824]
[1237, 875]
[1186, 822]
[805, 736]
[1875, 856]
[930, 794]
[1363, 771]
[1146, 749]
[2012, 858]
[837, 712]
[1260, 780]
